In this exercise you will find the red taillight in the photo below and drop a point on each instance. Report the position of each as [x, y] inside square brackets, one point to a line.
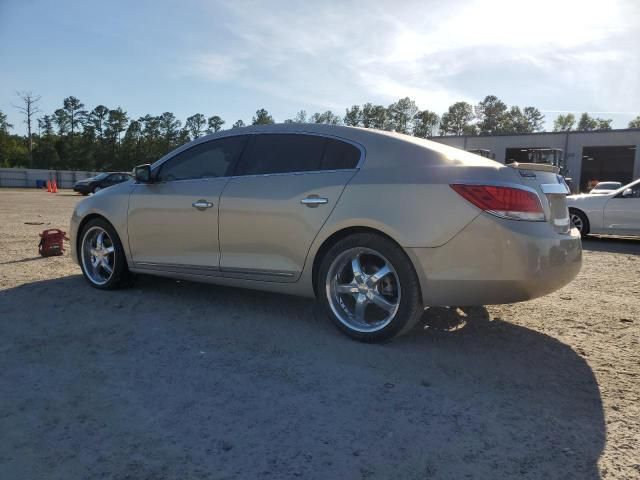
[505, 202]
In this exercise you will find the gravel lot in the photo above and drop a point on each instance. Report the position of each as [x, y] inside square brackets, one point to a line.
[177, 380]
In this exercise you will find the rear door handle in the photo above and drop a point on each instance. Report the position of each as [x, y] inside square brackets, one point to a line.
[313, 201]
[202, 204]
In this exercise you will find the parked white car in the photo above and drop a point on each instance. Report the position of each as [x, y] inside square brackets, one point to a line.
[616, 213]
[602, 188]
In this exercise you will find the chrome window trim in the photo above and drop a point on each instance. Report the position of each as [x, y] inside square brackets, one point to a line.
[206, 179]
[304, 172]
[156, 166]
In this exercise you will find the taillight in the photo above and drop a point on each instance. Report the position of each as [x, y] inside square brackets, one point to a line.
[504, 202]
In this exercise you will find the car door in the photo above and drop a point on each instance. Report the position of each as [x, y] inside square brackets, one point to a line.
[173, 221]
[622, 213]
[283, 190]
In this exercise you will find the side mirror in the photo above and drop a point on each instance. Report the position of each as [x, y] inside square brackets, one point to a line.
[627, 193]
[142, 173]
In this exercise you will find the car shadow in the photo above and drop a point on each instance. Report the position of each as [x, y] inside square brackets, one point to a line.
[625, 245]
[169, 379]
[23, 260]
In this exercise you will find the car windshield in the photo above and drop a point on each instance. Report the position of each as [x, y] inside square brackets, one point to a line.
[607, 186]
[101, 176]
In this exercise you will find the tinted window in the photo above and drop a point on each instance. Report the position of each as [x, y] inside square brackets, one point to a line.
[282, 154]
[339, 155]
[207, 160]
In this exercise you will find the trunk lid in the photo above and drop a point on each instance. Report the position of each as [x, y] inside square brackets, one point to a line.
[551, 188]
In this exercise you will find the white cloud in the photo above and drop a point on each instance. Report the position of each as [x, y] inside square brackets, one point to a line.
[214, 66]
[584, 53]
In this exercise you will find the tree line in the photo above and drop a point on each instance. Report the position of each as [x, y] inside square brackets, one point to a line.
[77, 138]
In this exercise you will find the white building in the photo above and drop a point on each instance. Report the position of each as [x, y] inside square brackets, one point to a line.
[590, 156]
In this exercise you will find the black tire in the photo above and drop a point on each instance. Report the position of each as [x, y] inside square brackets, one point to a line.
[96, 189]
[121, 277]
[410, 307]
[584, 228]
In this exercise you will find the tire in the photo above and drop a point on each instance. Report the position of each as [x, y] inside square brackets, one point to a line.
[580, 221]
[96, 189]
[365, 306]
[93, 266]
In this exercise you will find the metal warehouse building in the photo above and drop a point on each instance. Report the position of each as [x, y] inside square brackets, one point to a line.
[590, 156]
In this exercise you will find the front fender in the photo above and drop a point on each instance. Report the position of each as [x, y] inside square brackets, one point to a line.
[113, 205]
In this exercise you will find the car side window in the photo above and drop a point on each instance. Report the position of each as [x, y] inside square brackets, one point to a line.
[340, 155]
[282, 153]
[206, 160]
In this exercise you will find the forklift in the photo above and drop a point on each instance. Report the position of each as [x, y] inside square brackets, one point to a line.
[483, 153]
[548, 156]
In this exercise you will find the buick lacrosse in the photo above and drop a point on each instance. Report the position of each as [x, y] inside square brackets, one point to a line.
[376, 225]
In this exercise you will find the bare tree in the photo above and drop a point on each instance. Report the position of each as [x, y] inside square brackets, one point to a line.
[28, 108]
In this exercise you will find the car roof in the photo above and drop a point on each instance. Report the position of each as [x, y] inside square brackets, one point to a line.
[382, 148]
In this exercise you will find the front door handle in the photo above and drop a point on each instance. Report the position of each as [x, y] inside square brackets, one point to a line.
[313, 201]
[202, 204]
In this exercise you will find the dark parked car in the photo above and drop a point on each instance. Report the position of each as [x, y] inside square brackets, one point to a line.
[103, 180]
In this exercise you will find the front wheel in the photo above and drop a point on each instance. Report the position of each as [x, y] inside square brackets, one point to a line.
[96, 189]
[102, 257]
[369, 288]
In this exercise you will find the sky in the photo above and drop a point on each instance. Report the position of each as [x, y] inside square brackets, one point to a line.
[230, 58]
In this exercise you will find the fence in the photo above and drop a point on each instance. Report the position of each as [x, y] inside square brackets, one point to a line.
[32, 178]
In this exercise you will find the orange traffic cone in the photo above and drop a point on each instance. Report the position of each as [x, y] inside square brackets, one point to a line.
[55, 187]
[49, 186]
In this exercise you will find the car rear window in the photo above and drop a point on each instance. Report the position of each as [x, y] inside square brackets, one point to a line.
[288, 153]
[282, 153]
[607, 186]
[340, 155]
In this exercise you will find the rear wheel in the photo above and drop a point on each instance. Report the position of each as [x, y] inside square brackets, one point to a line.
[102, 257]
[369, 288]
[580, 221]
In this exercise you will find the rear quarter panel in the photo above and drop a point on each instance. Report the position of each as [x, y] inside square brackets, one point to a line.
[412, 213]
[403, 191]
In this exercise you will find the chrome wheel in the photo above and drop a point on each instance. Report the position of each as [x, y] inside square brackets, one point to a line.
[98, 255]
[576, 221]
[363, 290]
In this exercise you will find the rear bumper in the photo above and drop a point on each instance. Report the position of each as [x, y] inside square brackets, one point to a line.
[494, 261]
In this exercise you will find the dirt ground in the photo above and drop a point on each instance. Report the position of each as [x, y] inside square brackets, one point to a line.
[173, 380]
